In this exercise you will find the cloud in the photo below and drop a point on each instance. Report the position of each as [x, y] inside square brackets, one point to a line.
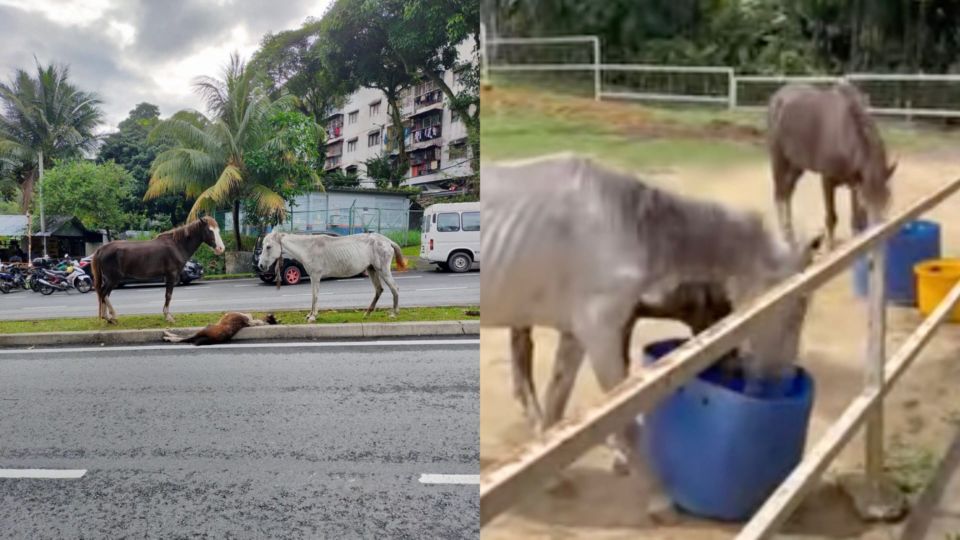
[134, 51]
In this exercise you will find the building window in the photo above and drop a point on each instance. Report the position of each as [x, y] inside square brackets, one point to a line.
[353, 117]
[375, 109]
[458, 150]
[352, 145]
[471, 221]
[352, 171]
[373, 139]
[448, 222]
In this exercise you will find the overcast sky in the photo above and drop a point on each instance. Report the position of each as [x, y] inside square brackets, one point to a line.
[129, 51]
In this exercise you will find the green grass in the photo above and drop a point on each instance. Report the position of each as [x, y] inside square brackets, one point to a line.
[512, 131]
[519, 134]
[215, 277]
[910, 467]
[140, 322]
[411, 251]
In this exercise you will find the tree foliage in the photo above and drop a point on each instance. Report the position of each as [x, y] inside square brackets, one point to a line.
[354, 47]
[43, 115]
[207, 160]
[96, 194]
[287, 63]
[131, 148]
[763, 36]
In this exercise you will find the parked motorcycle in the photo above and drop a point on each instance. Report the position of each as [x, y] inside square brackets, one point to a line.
[11, 277]
[72, 277]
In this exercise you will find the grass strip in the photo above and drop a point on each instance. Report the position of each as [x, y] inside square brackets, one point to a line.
[142, 322]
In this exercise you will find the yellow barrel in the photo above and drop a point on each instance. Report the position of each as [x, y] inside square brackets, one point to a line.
[935, 278]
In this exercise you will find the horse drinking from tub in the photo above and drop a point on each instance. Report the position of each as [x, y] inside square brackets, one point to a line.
[583, 249]
[165, 256]
[346, 256]
[829, 132]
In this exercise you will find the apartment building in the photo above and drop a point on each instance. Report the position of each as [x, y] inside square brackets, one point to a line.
[435, 138]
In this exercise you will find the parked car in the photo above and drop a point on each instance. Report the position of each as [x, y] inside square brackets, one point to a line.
[450, 236]
[293, 271]
[192, 271]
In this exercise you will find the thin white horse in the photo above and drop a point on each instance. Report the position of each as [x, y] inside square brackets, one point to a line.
[346, 256]
[578, 247]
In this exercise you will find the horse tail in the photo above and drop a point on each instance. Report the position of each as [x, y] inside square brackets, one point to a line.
[398, 253]
[95, 272]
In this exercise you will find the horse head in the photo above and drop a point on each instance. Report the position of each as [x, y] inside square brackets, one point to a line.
[270, 250]
[211, 234]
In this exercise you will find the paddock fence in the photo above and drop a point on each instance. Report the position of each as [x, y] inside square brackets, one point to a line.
[525, 472]
[574, 65]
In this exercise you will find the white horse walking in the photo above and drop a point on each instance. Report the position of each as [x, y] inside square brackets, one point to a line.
[330, 256]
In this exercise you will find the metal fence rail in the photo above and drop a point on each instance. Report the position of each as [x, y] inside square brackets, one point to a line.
[536, 462]
[569, 62]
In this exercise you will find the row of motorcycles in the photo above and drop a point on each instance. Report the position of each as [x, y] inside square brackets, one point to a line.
[45, 276]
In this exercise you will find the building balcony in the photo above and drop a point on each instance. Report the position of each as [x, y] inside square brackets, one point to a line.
[332, 162]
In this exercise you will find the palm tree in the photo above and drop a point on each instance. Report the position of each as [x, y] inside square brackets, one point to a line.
[43, 119]
[207, 161]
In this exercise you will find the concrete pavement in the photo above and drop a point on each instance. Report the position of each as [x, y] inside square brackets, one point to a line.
[428, 288]
[325, 441]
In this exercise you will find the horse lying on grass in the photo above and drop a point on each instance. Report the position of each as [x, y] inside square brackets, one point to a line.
[634, 245]
[222, 331]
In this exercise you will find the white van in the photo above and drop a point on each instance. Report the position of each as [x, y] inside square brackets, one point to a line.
[450, 236]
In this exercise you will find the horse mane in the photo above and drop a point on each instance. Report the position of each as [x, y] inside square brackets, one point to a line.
[686, 238]
[179, 233]
[874, 186]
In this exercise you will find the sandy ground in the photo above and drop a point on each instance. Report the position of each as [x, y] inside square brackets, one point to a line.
[922, 412]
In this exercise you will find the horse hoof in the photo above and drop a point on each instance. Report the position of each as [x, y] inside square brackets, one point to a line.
[311, 319]
[393, 315]
[620, 467]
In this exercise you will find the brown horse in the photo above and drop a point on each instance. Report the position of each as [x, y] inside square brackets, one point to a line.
[165, 256]
[829, 132]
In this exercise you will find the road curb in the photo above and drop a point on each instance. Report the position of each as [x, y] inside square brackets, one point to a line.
[293, 331]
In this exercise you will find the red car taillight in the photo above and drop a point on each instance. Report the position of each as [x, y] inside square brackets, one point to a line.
[431, 244]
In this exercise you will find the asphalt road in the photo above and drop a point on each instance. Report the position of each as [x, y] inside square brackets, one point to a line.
[317, 440]
[428, 288]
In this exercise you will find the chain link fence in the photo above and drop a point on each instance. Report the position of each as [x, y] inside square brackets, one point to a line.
[401, 225]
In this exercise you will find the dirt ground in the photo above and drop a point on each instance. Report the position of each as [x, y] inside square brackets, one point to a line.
[923, 413]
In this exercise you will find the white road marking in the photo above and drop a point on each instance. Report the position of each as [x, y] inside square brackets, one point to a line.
[248, 285]
[473, 274]
[443, 289]
[308, 294]
[407, 277]
[42, 307]
[43, 473]
[286, 345]
[470, 479]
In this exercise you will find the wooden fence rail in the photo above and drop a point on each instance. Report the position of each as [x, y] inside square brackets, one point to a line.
[535, 463]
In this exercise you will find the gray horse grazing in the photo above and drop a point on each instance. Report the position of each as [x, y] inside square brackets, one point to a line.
[829, 132]
[580, 248]
[347, 256]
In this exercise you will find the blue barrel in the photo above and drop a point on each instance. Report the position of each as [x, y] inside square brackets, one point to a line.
[915, 242]
[719, 453]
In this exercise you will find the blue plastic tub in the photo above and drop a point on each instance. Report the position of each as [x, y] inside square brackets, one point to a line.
[719, 453]
[915, 242]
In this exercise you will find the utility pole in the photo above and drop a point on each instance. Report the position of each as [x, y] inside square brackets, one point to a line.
[43, 221]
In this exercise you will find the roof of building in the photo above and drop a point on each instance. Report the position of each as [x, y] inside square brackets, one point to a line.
[16, 225]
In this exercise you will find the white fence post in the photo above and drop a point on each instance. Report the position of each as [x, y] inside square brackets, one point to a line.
[732, 92]
[876, 358]
[597, 85]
